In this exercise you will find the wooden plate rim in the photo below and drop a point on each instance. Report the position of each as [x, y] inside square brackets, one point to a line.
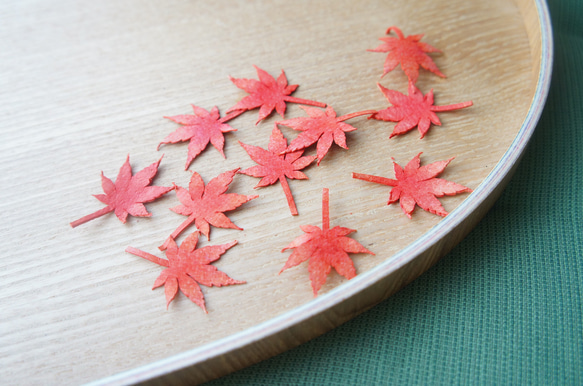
[360, 282]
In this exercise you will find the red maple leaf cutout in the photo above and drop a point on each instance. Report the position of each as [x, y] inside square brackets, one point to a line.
[323, 127]
[418, 185]
[325, 248]
[268, 94]
[409, 52]
[128, 194]
[200, 129]
[187, 266]
[274, 166]
[205, 205]
[412, 110]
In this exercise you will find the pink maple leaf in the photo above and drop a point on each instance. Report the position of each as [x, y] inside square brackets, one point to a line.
[205, 205]
[128, 194]
[412, 110]
[274, 166]
[409, 51]
[187, 266]
[200, 129]
[268, 94]
[325, 248]
[417, 185]
[321, 126]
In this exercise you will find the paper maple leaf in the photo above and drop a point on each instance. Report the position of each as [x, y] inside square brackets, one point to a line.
[274, 166]
[409, 52]
[325, 248]
[323, 127]
[418, 185]
[200, 129]
[205, 205]
[412, 110]
[128, 194]
[268, 94]
[187, 266]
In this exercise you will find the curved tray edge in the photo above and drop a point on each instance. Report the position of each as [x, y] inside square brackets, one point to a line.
[341, 304]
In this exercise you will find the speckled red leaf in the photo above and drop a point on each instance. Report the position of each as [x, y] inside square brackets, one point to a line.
[200, 129]
[273, 165]
[205, 206]
[268, 94]
[128, 194]
[187, 266]
[325, 249]
[409, 51]
[321, 126]
[418, 185]
[412, 110]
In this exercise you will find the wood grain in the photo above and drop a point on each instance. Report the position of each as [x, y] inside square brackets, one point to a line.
[86, 83]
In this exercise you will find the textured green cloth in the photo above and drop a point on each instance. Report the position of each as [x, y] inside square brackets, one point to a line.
[506, 305]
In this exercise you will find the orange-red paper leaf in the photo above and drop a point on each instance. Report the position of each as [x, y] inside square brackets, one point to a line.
[273, 165]
[325, 248]
[321, 126]
[268, 94]
[128, 194]
[409, 51]
[200, 129]
[412, 110]
[187, 266]
[418, 185]
[205, 206]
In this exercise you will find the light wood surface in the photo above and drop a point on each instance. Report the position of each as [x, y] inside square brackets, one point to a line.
[85, 83]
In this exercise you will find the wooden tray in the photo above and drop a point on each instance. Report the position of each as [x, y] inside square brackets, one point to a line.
[84, 83]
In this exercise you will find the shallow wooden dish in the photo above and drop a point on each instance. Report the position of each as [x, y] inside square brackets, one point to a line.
[85, 83]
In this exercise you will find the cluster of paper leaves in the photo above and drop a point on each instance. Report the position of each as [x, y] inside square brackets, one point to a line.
[203, 127]
[414, 185]
[325, 248]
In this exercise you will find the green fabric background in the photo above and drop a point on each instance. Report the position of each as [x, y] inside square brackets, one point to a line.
[506, 305]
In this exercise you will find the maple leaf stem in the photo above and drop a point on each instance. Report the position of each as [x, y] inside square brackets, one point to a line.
[325, 209]
[397, 31]
[288, 195]
[92, 216]
[147, 256]
[232, 115]
[301, 101]
[177, 232]
[354, 115]
[377, 179]
[456, 106]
